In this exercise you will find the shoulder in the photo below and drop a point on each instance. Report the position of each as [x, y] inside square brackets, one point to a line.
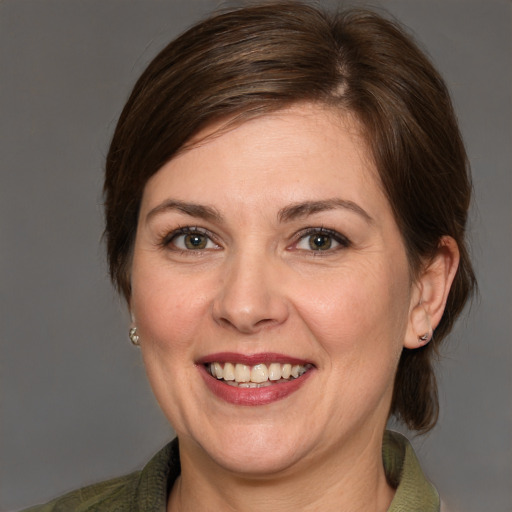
[413, 492]
[141, 490]
[107, 495]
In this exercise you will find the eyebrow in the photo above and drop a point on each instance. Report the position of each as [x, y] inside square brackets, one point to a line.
[286, 214]
[299, 210]
[194, 210]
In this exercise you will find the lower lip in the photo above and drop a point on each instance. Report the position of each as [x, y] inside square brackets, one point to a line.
[252, 396]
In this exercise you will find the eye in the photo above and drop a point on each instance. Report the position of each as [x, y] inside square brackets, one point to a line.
[321, 240]
[190, 239]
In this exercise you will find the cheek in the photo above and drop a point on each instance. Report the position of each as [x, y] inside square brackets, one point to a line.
[168, 308]
[358, 312]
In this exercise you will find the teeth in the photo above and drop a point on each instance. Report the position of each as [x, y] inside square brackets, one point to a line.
[217, 370]
[229, 371]
[259, 375]
[286, 371]
[248, 385]
[242, 373]
[274, 371]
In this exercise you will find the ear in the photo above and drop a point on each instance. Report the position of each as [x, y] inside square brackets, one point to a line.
[430, 293]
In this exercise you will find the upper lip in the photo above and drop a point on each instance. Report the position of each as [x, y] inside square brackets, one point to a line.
[251, 359]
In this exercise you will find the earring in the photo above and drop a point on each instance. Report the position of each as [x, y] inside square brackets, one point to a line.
[134, 337]
[424, 339]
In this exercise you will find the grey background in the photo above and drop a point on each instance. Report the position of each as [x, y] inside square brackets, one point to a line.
[75, 405]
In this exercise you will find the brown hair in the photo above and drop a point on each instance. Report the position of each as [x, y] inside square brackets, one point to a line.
[261, 58]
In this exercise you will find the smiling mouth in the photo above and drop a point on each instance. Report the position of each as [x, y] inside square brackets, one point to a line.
[257, 376]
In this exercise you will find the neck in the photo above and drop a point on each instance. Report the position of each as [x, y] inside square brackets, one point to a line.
[353, 482]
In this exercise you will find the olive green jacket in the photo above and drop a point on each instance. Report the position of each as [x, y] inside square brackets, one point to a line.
[147, 490]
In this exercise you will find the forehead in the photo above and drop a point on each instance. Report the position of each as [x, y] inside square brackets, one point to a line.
[299, 116]
[298, 153]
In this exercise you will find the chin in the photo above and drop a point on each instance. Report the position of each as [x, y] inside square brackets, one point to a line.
[254, 463]
[258, 453]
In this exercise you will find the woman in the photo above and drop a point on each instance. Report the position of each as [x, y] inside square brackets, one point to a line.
[286, 199]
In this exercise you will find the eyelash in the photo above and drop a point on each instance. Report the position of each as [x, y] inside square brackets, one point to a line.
[340, 239]
[169, 238]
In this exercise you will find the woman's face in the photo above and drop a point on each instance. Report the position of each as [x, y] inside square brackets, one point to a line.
[268, 247]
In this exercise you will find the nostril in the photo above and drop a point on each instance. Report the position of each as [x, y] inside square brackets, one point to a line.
[247, 325]
[266, 321]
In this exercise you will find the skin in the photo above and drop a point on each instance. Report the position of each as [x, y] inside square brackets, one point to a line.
[257, 287]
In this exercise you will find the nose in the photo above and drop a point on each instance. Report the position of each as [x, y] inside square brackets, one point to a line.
[250, 296]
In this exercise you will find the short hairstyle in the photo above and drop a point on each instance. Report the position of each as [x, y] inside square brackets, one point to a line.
[258, 59]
